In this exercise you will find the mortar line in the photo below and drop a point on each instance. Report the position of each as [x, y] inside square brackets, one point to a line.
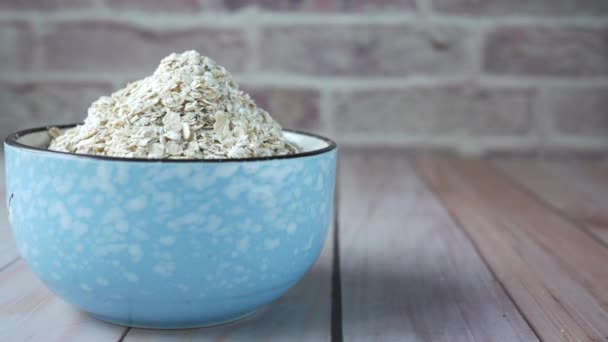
[326, 111]
[213, 19]
[331, 83]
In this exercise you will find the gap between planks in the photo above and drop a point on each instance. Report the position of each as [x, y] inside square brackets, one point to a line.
[408, 272]
[555, 272]
[337, 333]
[479, 253]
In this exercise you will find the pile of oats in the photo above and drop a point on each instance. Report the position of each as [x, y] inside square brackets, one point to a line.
[190, 108]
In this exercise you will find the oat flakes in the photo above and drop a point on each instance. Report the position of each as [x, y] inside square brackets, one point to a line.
[189, 108]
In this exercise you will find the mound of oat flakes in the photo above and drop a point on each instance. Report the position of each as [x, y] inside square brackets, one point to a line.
[189, 108]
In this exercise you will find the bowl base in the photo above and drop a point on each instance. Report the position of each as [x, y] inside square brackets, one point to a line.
[172, 326]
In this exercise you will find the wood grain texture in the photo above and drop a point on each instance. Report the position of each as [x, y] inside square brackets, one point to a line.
[303, 314]
[8, 250]
[599, 231]
[30, 312]
[408, 272]
[555, 272]
[578, 189]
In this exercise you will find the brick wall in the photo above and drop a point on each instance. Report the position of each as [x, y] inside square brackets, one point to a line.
[470, 75]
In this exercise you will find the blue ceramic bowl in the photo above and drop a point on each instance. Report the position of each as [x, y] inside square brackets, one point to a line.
[169, 244]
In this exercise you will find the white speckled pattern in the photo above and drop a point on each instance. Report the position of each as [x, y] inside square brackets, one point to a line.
[169, 244]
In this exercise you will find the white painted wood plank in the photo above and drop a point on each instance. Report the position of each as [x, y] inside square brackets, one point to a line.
[303, 314]
[408, 272]
[30, 312]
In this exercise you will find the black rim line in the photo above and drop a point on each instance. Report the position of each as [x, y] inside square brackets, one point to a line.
[11, 140]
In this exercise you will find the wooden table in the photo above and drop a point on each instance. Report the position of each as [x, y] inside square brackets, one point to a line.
[422, 249]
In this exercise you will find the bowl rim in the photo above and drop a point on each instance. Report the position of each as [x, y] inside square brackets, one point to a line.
[12, 140]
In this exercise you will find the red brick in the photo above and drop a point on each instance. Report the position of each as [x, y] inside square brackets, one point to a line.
[292, 108]
[547, 51]
[447, 110]
[33, 105]
[283, 5]
[323, 5]
[364, 50]
[380, 5]
[117, 47]
[32, 5]
[580, 112]
[64, 103]
[522, 7]
[155, 5]
[16, 40]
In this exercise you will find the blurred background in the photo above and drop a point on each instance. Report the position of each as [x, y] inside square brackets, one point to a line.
[469, 76]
